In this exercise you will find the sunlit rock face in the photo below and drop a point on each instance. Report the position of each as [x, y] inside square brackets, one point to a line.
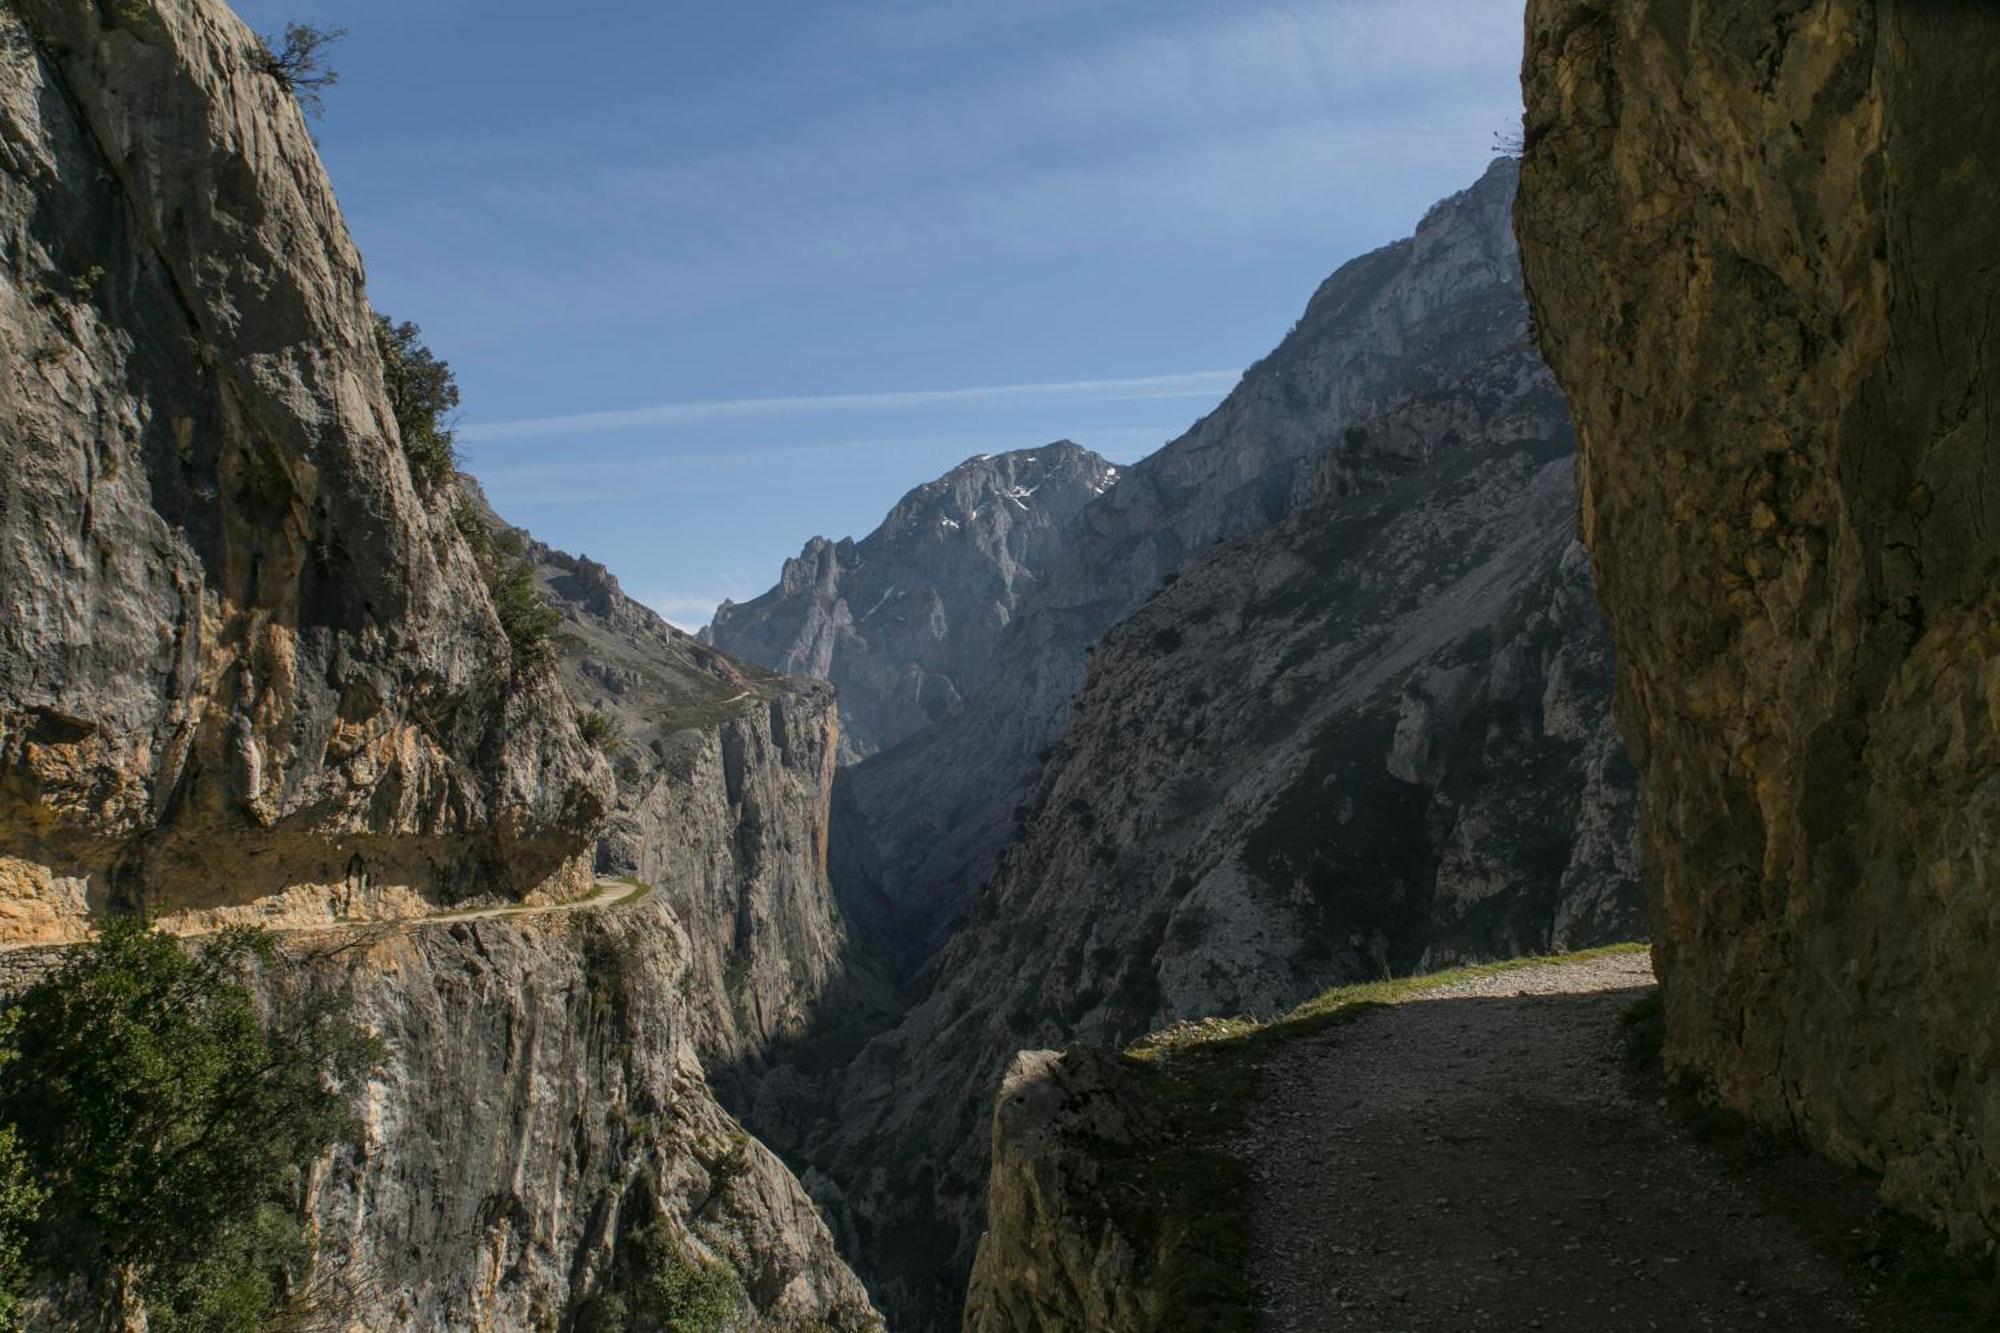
[542, 1103]
[243, 659]
[249, 668]
[904, 621]
[1759, 241]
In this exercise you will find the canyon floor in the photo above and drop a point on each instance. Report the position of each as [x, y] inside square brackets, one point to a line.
[1487, 1156]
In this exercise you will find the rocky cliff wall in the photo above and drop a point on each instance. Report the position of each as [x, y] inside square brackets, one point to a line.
[542, 1103]
[540, 1134]
[725, 781]
[1064, 1247]
[904, 621]
[243, 660]
[1759, 240]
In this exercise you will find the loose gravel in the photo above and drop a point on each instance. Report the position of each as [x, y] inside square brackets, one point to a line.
[1478, 1158]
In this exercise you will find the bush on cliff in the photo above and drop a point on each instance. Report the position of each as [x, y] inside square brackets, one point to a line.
[168, 1117]
[298, 62]
[20, 1202]
[659, 1285]
[525, 614]
[422, 393]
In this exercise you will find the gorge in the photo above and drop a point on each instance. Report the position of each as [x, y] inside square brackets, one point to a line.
[1603, 563]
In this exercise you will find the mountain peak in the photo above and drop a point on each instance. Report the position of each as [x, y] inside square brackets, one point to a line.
[904, 620]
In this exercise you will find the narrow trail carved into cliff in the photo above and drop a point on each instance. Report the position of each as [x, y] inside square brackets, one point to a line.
[1478, 1158]
[610, 893]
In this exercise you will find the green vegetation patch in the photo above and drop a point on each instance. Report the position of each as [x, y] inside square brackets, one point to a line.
[422, 394]
[639, 890]
[526, 616]
[660, 1285]
[1345, 1002]
[158, 1123]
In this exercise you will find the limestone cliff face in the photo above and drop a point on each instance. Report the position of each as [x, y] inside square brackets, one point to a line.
[725, 778]
[242, 659]
[1373, 738]
[1759, 240]
[1386, 329]
[904, 621]
[1056, 1252]
[541, 1104]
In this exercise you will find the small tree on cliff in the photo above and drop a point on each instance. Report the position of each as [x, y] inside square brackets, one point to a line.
[168, 1118]
[298, 63]
[422, 393]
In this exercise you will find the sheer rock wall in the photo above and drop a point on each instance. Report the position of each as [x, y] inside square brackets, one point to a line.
[243, 660]
[1759, 241]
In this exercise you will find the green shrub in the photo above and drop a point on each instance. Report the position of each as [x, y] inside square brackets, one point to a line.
[298, 63]
[601, 730]
[606, 1313]
[659, 1285]
[169, 1120]
[20, 1203]
[422, 394]
[682, 1293]
[525, 615]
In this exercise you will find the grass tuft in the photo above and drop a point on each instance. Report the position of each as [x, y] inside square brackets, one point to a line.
[1347, 1002]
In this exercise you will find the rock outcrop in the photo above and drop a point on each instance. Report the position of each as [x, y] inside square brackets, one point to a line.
[904, 621]
[1386, 329]
[245, 662]
[1759, 241]
[1056, 1252]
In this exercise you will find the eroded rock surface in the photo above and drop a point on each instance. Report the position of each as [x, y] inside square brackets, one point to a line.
[904, 621]
[1054, 1255]
[243, 659]
[1759, 240]
[543, 1102]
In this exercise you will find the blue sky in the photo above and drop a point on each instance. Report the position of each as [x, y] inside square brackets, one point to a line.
[716, 277]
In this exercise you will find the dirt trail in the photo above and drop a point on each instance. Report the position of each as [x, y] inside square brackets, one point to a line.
[1478, 1159]
[609, 893]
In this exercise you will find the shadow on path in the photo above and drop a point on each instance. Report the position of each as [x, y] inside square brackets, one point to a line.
[1483, 1159]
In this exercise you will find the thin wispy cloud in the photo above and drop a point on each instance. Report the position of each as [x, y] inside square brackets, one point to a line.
[657, 264]
[1191, 384]
[1180, 136]
[646, 478]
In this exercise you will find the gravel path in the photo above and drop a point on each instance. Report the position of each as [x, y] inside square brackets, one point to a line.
[1476, 1159]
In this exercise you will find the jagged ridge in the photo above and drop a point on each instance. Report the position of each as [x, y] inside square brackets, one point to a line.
[904, 621]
